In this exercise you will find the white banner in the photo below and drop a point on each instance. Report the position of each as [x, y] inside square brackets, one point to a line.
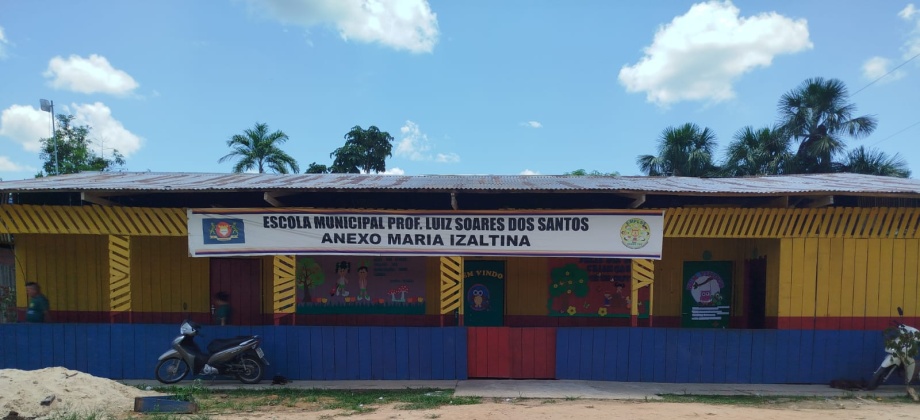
[610, 234]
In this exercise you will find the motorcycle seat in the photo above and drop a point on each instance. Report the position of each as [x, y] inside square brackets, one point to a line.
[221, 344]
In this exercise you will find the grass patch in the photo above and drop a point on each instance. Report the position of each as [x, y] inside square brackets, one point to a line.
[249, 400]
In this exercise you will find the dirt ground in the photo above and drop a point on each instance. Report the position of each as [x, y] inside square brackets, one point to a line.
[531, 409]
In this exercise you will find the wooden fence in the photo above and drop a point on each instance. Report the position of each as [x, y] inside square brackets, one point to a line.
[126, 351]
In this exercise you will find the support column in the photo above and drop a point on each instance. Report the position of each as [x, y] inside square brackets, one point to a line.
[643, 274]
[120, 278]
[284, 288]
[451, 286]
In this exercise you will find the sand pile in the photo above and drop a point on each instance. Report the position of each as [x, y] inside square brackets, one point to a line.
[24, 391]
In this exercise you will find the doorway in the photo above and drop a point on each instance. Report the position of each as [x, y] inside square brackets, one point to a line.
[241, 278]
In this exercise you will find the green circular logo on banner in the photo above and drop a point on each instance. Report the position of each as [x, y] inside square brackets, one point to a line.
[635, 233]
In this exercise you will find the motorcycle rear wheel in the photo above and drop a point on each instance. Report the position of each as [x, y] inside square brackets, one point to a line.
[175, 370]
[250, 370]
[880, 376]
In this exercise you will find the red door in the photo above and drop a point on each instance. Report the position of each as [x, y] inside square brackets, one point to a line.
[242, 279]
[515, 353]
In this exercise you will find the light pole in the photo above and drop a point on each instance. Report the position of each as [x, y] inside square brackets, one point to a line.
[48, 106]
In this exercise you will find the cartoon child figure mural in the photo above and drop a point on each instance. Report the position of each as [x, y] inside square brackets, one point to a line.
[362, 283]
[342, 268]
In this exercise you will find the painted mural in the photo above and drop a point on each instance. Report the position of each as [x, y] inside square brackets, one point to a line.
[593, 287]
[330, 284]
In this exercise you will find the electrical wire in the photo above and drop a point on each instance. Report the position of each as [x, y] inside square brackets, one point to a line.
[885, 75]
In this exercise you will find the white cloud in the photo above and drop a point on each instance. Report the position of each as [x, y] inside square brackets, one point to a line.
[532, 124]
[447, 158]
[6, 165]
[912, 46]
[398, 24]
[392, 171]
[529, 172]
[88, 75]
[908, 12]
[876, 67]
[106, 132]
[698, 55]
[414, 145]
[25, 125]
[3, 43]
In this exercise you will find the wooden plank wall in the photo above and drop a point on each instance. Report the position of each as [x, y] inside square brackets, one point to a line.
[72, 270]
[846, 283]
[527, 286]
[121, 351]
[165, 279]
[716, 356]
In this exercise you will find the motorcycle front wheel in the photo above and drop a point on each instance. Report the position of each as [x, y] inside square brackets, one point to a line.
[249, 370]
[880, 376]
[170, 371]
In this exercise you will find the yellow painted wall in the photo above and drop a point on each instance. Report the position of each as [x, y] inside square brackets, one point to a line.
[165, 279]
[668, 289]
[527, 288]
[71, 269]
[847, 277]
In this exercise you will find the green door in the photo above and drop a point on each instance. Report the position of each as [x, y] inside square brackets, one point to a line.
[484, 293]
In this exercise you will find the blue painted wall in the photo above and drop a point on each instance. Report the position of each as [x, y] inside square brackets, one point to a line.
[124, 351]
[716, 356]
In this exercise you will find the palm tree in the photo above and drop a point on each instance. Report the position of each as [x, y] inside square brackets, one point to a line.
[763, 151]
[874, 162]
[817, 115]
[364, 151]
[682, 151]
[257, 148]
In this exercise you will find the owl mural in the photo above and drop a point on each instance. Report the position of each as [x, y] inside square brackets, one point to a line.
[478, 297]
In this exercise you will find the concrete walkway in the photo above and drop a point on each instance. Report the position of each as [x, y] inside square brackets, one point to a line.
[560, 389]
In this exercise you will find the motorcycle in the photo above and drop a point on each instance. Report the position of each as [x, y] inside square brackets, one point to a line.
[901, 344]
[240, 357]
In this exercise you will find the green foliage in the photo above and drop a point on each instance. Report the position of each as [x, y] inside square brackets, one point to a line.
[764, 151]
[686, 150]
[69, 152]
[569, 279]
[316, 168]
[582, 172]
[258, 149]
[365, 151]
[904, 342]
[817, 114]
[874, 162]
[309, 273]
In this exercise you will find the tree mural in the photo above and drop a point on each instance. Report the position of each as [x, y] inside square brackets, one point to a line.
[567, 283]
[309, 274]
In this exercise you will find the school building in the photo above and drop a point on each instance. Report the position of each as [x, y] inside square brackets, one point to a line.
[780, 279]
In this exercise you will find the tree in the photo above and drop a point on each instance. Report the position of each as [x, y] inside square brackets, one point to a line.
[817, 115]
[763, 151]
[582, 172]
[874, 162]
[682, 151]
[364, 151]
[316, 168]
[257, 148]
[69, 152]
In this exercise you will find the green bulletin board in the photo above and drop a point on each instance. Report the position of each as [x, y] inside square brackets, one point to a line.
[707, 294]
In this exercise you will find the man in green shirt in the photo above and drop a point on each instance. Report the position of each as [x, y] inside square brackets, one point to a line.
[38, 304]
[222, 308]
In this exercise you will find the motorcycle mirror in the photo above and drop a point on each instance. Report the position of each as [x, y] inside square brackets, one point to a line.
[900, 311]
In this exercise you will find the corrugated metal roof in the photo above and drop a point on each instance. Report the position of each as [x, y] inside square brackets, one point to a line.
[199, 182]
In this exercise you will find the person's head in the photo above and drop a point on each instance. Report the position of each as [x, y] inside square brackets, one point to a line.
[362, 271]
[33, 289]
[222, 297]
[342, 267]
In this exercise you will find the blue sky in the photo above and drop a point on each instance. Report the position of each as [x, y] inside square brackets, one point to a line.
[464, 87]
